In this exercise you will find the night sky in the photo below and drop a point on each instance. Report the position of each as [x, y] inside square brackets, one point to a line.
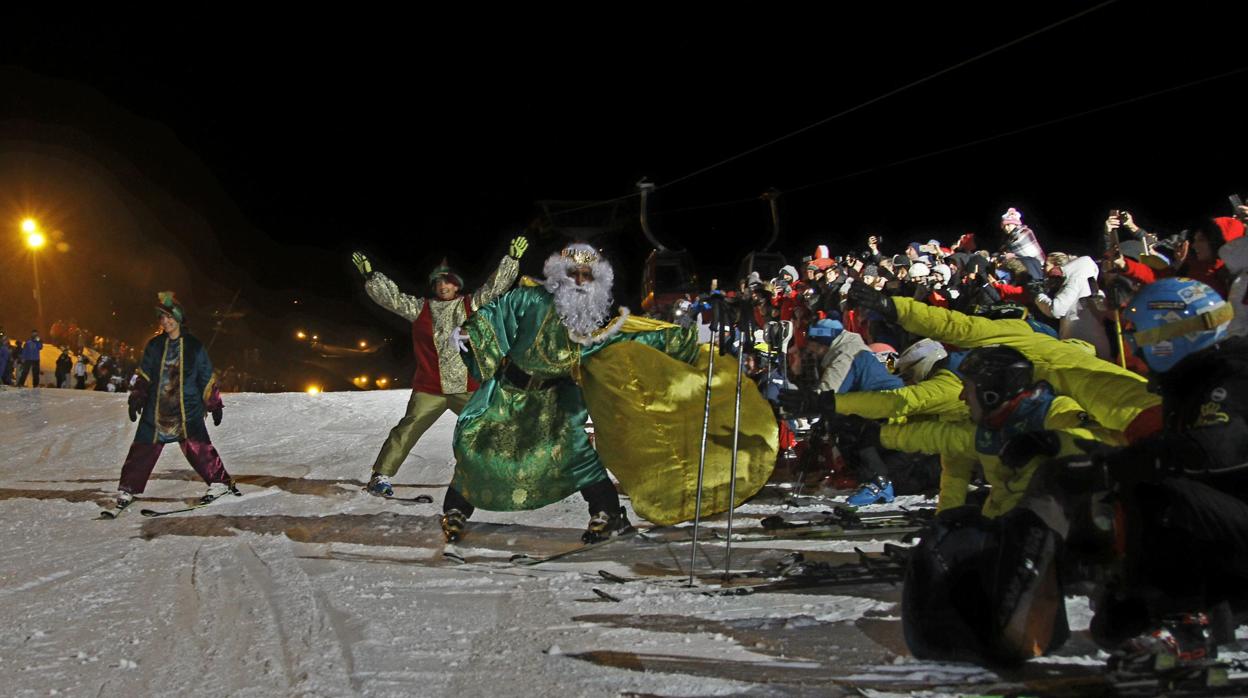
[219, 156]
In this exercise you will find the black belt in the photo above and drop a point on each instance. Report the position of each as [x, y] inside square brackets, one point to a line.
[524, 381]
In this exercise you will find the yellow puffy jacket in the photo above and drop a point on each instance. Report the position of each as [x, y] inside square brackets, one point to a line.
[1112, 395]
[935, 397]
[955, 443]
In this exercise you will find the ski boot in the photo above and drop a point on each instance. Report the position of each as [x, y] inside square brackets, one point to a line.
[123, 500]
[379, 486]
[1182, 644]
[877, 491]
[217, 490]
[603, 526]
[453, 523]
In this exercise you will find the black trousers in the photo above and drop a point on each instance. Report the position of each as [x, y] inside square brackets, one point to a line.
[27, 367]
[1187, 551]
[600, 495]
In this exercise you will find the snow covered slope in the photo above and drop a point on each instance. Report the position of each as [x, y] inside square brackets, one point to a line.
[320, 589]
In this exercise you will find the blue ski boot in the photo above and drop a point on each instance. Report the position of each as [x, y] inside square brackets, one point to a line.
[379, 485]
[877, 491]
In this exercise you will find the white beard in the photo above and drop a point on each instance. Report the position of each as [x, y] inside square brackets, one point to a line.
[583, 309]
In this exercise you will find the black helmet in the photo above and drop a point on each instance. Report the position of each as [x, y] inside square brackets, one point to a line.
[1000, 373]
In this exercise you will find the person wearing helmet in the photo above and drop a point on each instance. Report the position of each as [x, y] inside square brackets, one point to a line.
[1117, 399]
[931, 388]
[440, 381]
[1185, 489]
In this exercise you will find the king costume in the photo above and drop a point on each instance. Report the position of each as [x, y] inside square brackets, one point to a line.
[440, 381]
[548, 359]
[175, 391]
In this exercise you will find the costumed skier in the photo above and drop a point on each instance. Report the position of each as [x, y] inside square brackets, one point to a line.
[440, 381]
[520, 443]
[174, 391]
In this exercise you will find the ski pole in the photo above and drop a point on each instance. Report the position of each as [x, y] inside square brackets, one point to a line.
[1122, 356]
[743, 332]
[706, 423]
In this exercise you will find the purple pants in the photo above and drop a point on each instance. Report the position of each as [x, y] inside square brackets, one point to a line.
[202, 456]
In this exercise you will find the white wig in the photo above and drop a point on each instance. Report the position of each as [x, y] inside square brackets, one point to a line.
[585, 308]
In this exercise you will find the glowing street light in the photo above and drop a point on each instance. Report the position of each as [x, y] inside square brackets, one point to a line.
[35, 240]
[363, 344]
[301, 335]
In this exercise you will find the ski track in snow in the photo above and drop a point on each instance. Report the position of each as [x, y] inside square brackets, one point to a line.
[326, 591]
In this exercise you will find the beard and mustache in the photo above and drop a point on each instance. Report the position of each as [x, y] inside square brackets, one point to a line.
[582, 309]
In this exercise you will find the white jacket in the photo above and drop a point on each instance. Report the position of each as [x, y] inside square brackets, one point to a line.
[1235, 254]
[1079, 310]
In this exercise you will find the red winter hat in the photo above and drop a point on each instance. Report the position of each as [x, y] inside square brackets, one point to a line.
[1232, 228]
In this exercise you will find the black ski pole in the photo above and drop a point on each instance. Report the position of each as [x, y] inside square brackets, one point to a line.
[706, 423]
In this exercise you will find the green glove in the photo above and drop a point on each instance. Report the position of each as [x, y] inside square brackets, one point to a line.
[362, 263]
[518, 246]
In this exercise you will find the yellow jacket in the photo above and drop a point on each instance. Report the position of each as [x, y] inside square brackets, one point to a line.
[936, 397]
[955, 443]
[1112, 395]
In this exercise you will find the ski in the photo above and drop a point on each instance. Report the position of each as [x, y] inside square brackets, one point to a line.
[110, 514]
[529, 560]
[796, 573]
[418, 499]
[151, 513]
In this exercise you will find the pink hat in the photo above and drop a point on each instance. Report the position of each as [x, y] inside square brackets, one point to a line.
[1012, 215]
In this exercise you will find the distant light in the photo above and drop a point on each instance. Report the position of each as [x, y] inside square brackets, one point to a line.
[301, 335]
[29, 226]
[315, 337]
[383, 382]
[313, 390]
[35, 240]
[363, 344]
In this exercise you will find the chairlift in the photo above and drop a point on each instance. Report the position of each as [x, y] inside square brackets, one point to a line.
[668, 276]
[765, 262]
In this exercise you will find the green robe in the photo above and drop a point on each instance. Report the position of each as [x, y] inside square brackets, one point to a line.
[523, 449]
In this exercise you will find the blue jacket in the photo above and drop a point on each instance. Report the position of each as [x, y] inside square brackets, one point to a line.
[197, 387]
[5, 353]
[31, 349]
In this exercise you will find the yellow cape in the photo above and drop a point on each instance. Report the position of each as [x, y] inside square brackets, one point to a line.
[647, 409]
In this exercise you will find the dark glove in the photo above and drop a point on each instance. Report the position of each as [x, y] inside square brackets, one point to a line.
[1021, 449]
[1035, 289]
[959, 516]
[864, 297]
[853, 432]
[803, 403]
[138, 397]
[214, 406]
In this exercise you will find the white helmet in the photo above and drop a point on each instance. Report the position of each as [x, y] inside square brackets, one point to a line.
[916, 362]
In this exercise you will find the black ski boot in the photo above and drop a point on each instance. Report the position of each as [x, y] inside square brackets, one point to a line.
[603, 526]
[453, 523]
[1182, 641]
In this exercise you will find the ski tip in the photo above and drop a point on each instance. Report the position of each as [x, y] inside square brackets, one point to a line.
[149, 512]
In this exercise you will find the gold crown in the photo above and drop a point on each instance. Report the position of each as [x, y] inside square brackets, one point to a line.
[580, 256]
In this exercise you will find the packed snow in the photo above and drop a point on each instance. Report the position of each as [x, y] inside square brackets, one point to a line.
[309, 586]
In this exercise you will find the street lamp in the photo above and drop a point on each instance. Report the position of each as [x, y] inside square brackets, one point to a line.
[35, 240]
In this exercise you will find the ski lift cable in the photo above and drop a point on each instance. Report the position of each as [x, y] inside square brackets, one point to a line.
[892, 92]
[1023, 129]
[966, 144]
[863, 105]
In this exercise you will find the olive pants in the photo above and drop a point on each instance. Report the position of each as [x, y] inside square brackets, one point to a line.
[423, 409]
